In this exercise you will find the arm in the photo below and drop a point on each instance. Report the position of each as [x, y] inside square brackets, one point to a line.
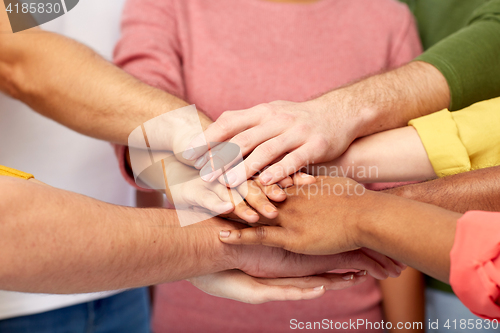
[55, 241]
[320, 130]
[455, 73]
[474, 190]
[415, 233]
[458, 71]
[54, 74]
[391, 156]
[403, 298]
[433, 240]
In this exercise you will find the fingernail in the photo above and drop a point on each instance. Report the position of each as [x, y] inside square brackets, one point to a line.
[231, 178]
[250, 212]
[270, 209]
[398, 270]
[207, 173]
[189, 153]
[265, 178]
[224, 234]
[361, 273]
[199, 162]
[305, 175]
[319, 288]
[348, 277]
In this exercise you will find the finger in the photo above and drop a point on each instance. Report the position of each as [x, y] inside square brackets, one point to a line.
[392, 268]
[331, 281]
[287, 182]
[361, 261]
[252, 137]
[262, 293]
[219, 160]
[241, 210]
[263, 155]
[269, 236]
[212, 202]
[301, 178]
[258, 200]
[227, 126]
[273, 192]
[291, 163]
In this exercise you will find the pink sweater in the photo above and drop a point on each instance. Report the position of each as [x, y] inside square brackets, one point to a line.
[475, 263]
[234, 54]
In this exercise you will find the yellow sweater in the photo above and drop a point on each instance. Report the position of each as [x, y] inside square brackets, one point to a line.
[463, 140]
[4, 171]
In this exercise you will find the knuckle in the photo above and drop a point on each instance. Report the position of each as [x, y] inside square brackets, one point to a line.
[224, 122]
[321, 144]
[302, 129]
[261, 233]
[243, 140]
[267, 150]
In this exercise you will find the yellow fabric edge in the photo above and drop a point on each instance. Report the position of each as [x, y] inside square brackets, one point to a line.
[478, 126]
[9, 172]
[439, 135]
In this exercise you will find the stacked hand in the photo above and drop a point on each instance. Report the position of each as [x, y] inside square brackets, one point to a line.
[324, 225]
[303, 133]
[264, 274]
[217, 198]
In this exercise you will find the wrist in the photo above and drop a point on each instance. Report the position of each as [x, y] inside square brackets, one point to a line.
[364, 223]
[347, 105]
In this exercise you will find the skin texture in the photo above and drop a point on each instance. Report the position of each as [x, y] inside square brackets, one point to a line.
[322, 129]
[474, 190]
[391, 156]
[418, 234]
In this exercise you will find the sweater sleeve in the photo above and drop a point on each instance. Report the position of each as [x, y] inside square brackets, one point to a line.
[475, 263]
[468, 59]
[461, 141]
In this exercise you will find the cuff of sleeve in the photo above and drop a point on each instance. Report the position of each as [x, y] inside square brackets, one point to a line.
[441, 140]
[124, 169]
[475, 263]
[9, 172]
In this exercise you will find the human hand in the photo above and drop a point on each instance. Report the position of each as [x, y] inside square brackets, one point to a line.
[243, 202]
[272, 262]
[303, 132]
[325, 225]
[236, 285]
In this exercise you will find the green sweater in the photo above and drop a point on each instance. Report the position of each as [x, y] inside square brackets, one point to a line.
[462, 40]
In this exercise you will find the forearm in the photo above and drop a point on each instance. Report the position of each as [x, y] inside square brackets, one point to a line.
[474, 190]
[391, 99]
[390, 156]
[69, 83]
[55, 241]
[403, 298]
[417, 234]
